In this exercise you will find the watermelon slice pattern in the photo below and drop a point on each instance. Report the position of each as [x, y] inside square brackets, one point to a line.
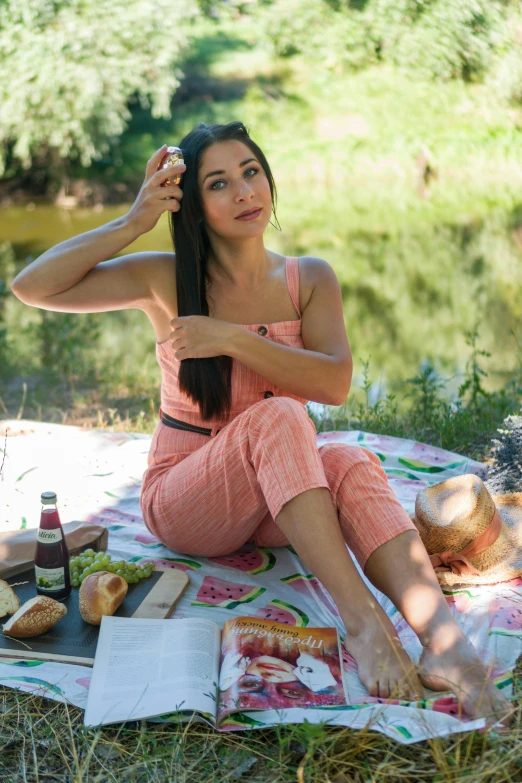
[109, 515]
[84, 682]
[422, 467]
[505, 617]
[281, 612]
[169, 562]
[249, 558]
[148, 540]
[349, 663]
[309, 585]
[446, 704]
[431, 455]
[462, 600]
[227, 595]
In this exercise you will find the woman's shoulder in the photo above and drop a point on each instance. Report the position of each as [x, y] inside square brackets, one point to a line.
[312, 265]
[314, 271]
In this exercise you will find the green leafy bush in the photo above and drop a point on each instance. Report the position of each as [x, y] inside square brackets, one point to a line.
[67, 343]
[68, 70]
[441, 39]
[426, 411]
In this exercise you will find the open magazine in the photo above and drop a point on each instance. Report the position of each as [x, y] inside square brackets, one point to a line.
[190, 669]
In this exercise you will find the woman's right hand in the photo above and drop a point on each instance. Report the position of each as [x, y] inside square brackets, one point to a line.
[155, 198]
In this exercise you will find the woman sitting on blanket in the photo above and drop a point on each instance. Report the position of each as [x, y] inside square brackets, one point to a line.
[245, 337]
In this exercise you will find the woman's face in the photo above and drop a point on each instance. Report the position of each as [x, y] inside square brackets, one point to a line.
[271, 669]
[240, 185]
[294, 690]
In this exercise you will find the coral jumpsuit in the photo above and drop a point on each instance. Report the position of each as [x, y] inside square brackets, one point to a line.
[207, 495]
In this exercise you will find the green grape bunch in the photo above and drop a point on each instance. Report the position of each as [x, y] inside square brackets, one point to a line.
[89, 561]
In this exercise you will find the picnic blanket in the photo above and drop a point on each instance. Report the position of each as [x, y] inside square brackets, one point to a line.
[97, 476]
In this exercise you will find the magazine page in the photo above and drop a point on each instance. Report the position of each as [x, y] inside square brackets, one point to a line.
[273, 666]
[144, 668]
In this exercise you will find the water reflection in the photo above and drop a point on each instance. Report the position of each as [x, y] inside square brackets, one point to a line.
[408, 298]
[32, 228]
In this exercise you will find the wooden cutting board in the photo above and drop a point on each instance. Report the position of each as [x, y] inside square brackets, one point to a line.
[72, 640]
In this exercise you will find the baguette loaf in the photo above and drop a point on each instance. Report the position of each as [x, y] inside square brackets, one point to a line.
[35, 617]
[101, 594]
[9, 601]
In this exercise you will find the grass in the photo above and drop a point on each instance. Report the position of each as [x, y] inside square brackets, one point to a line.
[42, 740]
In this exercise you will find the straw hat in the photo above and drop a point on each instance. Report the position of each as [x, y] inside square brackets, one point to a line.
[471, 536]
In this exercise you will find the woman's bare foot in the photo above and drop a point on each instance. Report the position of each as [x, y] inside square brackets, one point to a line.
[384, 667]
[457, 668]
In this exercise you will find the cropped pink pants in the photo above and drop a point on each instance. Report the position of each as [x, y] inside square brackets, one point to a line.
[208, 496]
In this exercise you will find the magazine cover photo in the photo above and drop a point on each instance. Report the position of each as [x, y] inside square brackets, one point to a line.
[268, 666]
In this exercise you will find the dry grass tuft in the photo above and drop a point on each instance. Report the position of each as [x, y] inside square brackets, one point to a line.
[42, 740]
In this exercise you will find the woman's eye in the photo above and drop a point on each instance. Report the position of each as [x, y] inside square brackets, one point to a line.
[213, 186]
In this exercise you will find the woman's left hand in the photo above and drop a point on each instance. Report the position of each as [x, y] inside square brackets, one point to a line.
[200, 337]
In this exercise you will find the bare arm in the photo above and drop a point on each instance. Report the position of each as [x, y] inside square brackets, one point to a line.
[323, 370]
[76, 276]
[310, 374]
[65, 265]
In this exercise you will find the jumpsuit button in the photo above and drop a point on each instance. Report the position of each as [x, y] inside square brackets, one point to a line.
[268, 394]
[262, 330]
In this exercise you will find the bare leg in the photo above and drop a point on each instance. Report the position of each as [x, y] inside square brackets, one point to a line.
[311, 525]
[401, 570]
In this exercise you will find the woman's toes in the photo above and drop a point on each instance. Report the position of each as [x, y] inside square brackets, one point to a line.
[373, 688]
[407, 687]
[384, 687]
[383, 665]
[489, 703]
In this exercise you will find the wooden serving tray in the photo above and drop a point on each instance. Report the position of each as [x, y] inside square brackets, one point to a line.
[72, 640]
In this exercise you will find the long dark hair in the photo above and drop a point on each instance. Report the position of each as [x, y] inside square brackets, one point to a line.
[206, 381]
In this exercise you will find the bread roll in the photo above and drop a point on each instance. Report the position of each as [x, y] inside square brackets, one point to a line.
[9, 601]
[100, 594]
[35, 617]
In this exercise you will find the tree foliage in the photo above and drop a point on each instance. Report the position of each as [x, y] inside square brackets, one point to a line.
[69, 68]
[440, 39]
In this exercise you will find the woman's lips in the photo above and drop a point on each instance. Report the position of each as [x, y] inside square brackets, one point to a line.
[251, 215]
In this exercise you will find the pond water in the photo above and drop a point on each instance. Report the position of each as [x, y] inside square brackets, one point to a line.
[34, 228]
[408, 298]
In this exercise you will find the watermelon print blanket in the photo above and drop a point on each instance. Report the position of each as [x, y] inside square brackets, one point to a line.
[97, 476]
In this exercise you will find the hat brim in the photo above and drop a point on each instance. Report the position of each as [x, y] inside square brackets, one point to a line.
[510, 565]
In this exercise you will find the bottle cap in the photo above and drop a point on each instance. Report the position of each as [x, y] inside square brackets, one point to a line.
[48, 498]
[172, 157]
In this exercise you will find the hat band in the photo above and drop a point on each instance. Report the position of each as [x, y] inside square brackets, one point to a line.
[458, 562]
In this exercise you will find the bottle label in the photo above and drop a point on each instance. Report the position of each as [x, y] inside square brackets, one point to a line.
[51, 579]
[49, 536]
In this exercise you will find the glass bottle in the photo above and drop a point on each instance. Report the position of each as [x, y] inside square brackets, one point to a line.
[51, 560]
